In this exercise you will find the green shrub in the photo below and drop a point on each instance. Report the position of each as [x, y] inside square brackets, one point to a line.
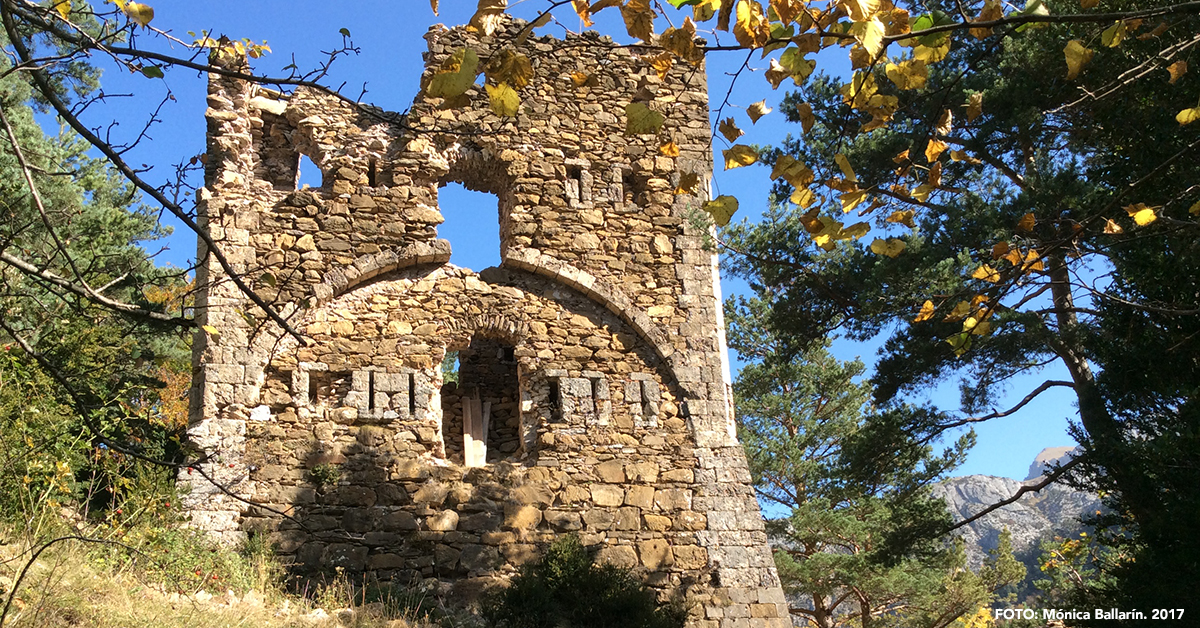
[566, 588]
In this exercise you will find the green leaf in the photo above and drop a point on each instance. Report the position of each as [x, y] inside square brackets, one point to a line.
[642, 120]
[344, 31]
[456, 75]
[930, 20]
[152, 71]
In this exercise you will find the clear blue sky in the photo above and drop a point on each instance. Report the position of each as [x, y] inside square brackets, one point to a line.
[389, 38]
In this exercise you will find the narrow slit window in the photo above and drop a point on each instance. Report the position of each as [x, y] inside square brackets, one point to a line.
[371, 391]
[412, 394]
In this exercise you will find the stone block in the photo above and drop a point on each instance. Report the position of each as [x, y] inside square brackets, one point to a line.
[645, 472]
[657, 523]
[599, 519]
[691, 557]
[673, 499]
[446, 557]
[443, 521]
[479, 558]
[612, 472]
[563, 520]
[521, 517]
[656, 554]
[640, 496]
[622, 556]
[605, 495]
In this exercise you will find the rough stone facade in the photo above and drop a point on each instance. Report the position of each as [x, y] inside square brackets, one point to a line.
[593, 373]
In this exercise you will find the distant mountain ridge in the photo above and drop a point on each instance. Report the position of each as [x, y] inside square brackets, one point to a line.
[1053, 510]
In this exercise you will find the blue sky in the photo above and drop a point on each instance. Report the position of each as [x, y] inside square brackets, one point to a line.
[388, 36]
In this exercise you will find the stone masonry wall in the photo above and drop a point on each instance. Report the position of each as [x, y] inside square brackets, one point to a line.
[597, 345]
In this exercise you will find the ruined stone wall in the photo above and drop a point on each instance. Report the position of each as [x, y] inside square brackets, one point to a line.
[596, 346]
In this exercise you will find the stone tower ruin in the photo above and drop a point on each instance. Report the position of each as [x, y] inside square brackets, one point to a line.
[593, 393]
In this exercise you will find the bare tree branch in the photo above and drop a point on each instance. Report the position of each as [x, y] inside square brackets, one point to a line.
[1031, 488]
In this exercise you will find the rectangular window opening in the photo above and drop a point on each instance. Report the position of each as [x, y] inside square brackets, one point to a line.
[371, 172]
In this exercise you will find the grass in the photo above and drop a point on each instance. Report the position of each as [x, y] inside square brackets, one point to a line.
[74, 584]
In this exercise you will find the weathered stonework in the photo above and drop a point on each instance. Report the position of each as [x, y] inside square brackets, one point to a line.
[594, 379]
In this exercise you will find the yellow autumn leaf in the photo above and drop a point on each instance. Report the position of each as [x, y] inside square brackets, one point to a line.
[861, 10]
[788, 10]
[721, 209]
[687, 183]
[739, 155]
[670, 149]
[488, 15]
[976, 327]
[1111, 227]
[729, 129]
[844, 165]
[852, 199]
[1177, 70]
[904, 217]
[803, 197]
[509, 66]
[1141, 214]
[960, 311]
[961, 155]
[890, 247]
[870, 34]
[910, 74]
[639, 19]
[775, 74]
[1027, 222]
[990, 11]
[642, 120]
[1033, 262]
[758, 110]
[751, 28]
[1077, 56]
[662, 64]
[681, 42]
[455, 76]
[140, 13]
[854, 231]
[934, 149]
[1194, 209]
[503, 100]
[64, 8]
[1000, 249]
[704, 10]
[433, 4]
[807, 119]
[1188, 116]
[1115, 34]
[945, 123]
[932, 54]
[974, 106]
[986, 273]
[584, 11]
[211, 331]
[792, 170]
[583, 79]
[926, 312]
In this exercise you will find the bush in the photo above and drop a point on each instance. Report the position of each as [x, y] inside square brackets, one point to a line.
[566, 588]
